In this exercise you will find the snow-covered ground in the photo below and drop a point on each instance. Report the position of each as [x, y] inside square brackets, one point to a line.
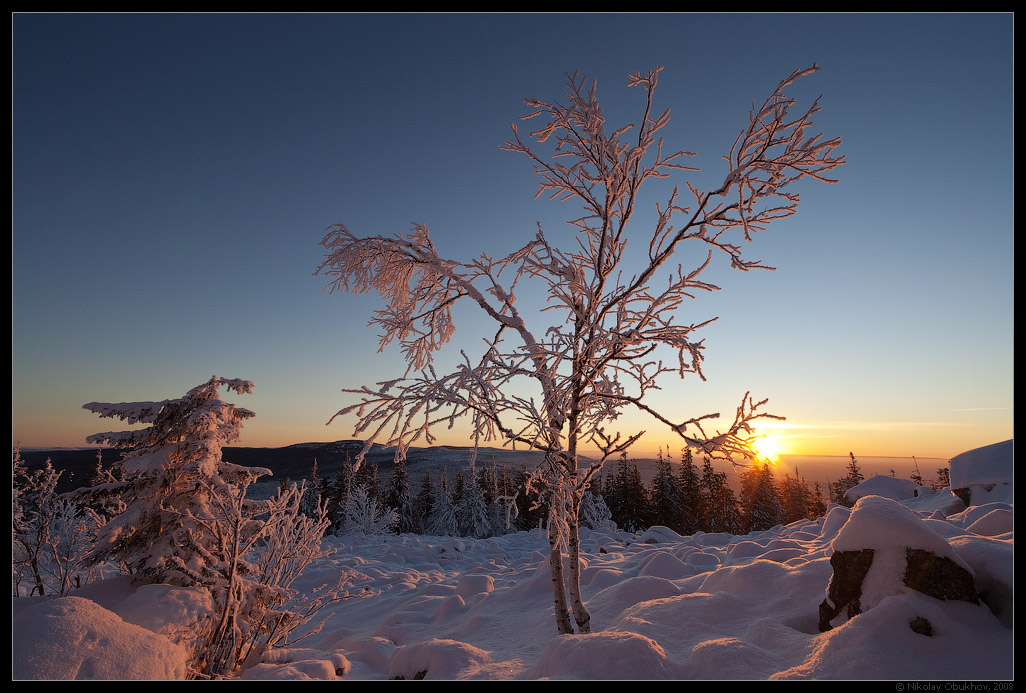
[708, 606]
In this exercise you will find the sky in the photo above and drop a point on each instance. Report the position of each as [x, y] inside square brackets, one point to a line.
[174, 174]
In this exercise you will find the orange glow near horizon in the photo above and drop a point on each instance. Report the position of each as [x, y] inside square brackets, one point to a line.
[276, 427]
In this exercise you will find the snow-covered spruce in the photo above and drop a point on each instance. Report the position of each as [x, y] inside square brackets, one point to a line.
[188, 521]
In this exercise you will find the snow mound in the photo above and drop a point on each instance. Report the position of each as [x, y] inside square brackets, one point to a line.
[75, 638]
[608, 655]
[945, 502]
[996, 522]
[703, 607]
[880, 523]
[886, 486]
[664, 564]
[298, 664]
[992, 561]
[659, 535]
[471, 585]
[437, 659]
[164, 608]
[834, 521]
[887, 649]
[984, 466]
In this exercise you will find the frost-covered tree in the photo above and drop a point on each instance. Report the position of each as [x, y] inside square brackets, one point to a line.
[364, 515]
[917, 477]
[594, 513]
[339, 493]
[594, 353]
[188, 520]
[797, 499]
[722, 513]
[508, 511]
[312, 498]
[31, 497]
[761, 505]
[260, 548]
[627, 497]
[819, 506]
[51, 535]
[72, 532]
[667, 496]
[367, 477]
[472, 512]
[397, 496]
[500, 494]
[487, 482]
[692, 500]
[424, 502]
[100, 474]
[172, 472]
[444, 520]
[530, 511]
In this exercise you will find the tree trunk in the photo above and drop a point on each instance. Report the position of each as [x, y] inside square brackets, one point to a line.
[581, 614]
[563, 624]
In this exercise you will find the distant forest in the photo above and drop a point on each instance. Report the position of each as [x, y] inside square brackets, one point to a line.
[434, 492]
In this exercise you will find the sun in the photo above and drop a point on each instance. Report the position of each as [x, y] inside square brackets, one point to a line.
[767, 448]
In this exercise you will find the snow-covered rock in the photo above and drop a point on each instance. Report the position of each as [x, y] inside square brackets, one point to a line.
[886, 549]
[983, 471]
[886, 486]
[882, 524]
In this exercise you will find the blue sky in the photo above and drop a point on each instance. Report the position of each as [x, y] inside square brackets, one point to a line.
[174, 174]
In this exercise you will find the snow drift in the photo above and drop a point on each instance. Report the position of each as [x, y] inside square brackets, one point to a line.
[707, 606]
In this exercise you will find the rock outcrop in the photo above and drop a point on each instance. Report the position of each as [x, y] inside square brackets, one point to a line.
[886, 549]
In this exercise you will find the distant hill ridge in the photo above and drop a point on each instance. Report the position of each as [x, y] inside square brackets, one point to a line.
[292, 461]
